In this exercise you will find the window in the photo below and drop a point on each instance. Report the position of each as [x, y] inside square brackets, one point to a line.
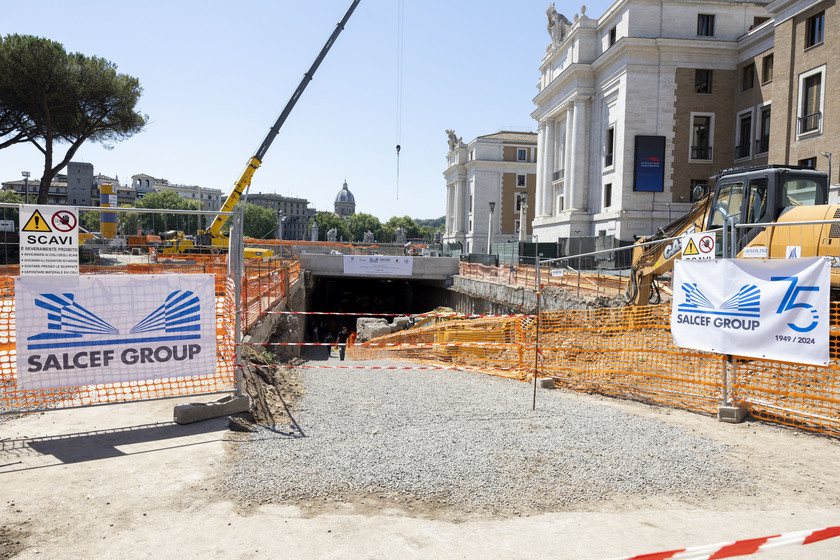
[757, 200]
[701, 134]
[520, 180]
[521, 198]
[810, 107]
[516, 226]
[762, 142]
[706, 25]
[612, 36]
[607, 195]
[803, 192]
[521, 155]
[810, 162]
[702, 81]
[758, 20]
[748, 77]
[743, 149]
[609, 147]
[815, 30]
[767, 69]
[728, 204]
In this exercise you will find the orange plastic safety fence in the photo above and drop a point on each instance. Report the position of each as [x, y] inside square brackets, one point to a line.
[583, 283]
[13, 399]
[264, 285]
[266, 282]
[794, 394]
[625, 352]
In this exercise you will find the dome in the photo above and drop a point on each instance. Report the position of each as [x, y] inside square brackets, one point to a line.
[344, 195]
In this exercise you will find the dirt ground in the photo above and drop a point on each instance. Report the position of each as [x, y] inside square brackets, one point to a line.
[124, 481]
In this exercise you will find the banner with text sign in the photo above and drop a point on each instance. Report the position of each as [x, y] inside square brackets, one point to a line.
[378, 265]
[92, 330]
[773, 309]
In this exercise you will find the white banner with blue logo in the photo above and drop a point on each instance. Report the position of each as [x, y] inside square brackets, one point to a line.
[91, 330]
[772, 309]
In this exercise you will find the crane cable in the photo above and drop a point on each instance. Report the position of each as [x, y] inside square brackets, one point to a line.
[400, 18]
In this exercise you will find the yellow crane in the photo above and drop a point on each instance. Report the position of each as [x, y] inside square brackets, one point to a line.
[213, 239]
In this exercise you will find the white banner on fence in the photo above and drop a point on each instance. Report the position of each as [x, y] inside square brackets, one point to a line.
[92, 330]
[773, 309]
[378, 265]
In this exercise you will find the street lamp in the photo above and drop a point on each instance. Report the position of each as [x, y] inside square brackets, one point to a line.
[490, 228]
[828, 155]
[26, 183]
[281, 221]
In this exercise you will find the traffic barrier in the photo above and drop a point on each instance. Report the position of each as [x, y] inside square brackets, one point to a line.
[743, 547]
[263, 285]
[625, 352]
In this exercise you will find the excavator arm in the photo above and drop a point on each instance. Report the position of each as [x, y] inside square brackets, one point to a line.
[654, 255]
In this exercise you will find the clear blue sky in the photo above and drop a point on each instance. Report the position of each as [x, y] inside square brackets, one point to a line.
[216, 75]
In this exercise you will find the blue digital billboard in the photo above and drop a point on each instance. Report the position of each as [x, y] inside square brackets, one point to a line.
[649, 164]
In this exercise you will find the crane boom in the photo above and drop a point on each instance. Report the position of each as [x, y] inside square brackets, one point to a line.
[215, 229]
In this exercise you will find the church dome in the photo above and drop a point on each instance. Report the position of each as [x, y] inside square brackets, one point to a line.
[344, 195]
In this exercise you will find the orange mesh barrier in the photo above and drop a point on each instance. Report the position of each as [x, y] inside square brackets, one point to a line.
[266, 282]
[585, 283]
[794, 394]
[288, 242]
[628, 353]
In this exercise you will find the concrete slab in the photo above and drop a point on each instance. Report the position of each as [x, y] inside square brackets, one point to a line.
[196, 412]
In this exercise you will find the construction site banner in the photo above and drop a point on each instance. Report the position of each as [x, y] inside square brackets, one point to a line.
[90, 330]
[378, 265]
[771, 309]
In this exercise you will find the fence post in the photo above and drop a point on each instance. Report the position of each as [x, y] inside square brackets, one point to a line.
[537, 340]
[236, 264]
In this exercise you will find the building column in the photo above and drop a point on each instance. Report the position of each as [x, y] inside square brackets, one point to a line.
[460, 209]
[450, 214]
[569, 165]
[576, 156]
[549, 151]
[542, 185]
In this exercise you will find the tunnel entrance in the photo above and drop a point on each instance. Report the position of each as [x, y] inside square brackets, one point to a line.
[369, 297]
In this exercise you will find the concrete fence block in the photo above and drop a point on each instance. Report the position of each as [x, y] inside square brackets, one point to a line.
[196, 412]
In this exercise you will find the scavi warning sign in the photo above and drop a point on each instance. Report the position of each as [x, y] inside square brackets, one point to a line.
[49, 240]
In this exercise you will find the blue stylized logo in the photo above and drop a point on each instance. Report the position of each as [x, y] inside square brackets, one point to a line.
[745, 303]
[68, 322]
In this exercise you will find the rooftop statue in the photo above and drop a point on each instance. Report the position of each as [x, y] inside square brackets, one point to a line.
[453, 140]
[558, 26]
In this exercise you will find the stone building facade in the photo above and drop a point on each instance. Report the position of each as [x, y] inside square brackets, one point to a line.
[498, 169]
[685, 88]
[294, 212]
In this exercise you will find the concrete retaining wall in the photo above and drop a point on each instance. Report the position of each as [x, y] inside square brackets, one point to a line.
[471, 296]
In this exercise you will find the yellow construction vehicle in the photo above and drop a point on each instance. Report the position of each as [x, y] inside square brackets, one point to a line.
[756, 195]
[213, 239]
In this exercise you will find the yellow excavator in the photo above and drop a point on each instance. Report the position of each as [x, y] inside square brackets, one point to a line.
[755, 195]
[213, 239]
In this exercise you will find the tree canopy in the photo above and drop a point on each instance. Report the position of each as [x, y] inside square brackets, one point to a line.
[326, 221]
[169, 200]
[360, 223]
[258, 222]
[50, 97]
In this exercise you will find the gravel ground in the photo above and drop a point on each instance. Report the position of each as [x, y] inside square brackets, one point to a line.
[470, 443]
